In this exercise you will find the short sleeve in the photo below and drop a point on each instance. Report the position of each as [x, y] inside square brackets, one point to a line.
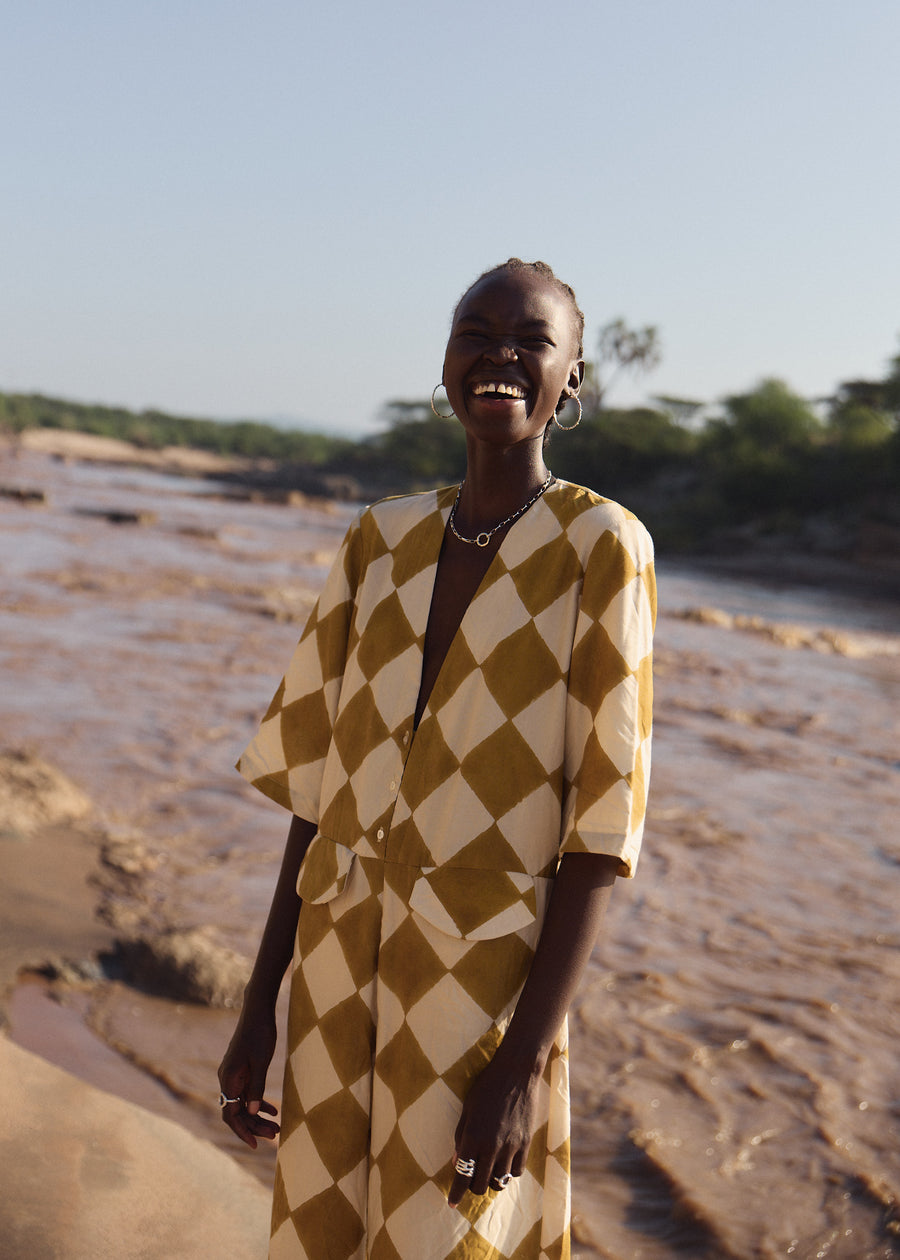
[610, 699]
[286, 757]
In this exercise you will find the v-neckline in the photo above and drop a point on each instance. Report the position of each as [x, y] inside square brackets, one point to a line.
[445, 514]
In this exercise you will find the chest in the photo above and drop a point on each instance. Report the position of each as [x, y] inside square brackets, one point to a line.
[460, 571]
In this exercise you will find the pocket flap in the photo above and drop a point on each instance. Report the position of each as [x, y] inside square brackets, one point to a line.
[324, 869]
[475, 905]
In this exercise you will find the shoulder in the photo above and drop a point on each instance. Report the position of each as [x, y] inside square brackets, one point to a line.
[407, 527]
[589, 518]
[396, 515]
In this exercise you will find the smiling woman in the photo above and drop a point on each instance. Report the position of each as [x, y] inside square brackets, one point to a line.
[463, 738]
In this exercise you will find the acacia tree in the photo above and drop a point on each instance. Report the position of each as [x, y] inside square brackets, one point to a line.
[685, 412]
[620, 349]
[892, 387]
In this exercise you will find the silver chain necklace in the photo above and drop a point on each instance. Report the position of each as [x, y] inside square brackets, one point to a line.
[482, 539]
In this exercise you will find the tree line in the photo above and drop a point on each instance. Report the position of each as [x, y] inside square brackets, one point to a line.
[766, 461]
[153, 430]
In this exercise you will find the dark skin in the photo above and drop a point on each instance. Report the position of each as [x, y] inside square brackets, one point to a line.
[514, 330]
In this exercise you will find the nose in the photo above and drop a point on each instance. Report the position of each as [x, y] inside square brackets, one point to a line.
[501, 352]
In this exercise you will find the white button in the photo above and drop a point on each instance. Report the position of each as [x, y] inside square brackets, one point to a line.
[406, 737]
[381, 833]
[393, 786]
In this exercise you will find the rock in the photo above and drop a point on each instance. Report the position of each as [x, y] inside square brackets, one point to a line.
[118, 516]
[187, 966]
[34, 794]
[86, 1175]
[128, 857]
[75, 973]
[705, 617]
[287, 603]
[47, 901]
[23, 494]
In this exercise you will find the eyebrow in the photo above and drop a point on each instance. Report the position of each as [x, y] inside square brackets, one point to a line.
[538, 325]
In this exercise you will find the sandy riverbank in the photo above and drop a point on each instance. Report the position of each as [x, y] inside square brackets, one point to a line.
[86, 1173]
[66, 444]
[79, 985]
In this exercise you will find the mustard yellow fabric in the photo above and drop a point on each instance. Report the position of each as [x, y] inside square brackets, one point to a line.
[425, 888]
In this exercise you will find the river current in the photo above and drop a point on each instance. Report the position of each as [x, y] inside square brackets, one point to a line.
[736, 1084]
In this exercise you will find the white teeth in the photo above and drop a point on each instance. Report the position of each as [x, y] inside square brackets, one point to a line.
[492, 387]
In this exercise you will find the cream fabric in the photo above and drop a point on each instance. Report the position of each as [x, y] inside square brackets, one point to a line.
[425, 887]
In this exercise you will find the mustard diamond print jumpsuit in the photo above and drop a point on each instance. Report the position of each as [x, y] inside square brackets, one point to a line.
[424, 889]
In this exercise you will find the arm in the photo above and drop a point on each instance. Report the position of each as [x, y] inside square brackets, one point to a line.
[607, 723]
[498, 1116]
[242, 1072]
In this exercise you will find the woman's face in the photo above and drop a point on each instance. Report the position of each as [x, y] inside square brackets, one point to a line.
[512, 353]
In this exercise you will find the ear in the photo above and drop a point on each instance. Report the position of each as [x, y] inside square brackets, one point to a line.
[576, 376]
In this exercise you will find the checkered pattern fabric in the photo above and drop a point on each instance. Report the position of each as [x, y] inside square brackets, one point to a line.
[425, 887]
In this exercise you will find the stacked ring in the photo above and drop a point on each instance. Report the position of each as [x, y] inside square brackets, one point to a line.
[465, 1167]
[223, 1100]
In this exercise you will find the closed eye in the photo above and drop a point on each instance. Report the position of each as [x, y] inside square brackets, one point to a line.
[478, 334]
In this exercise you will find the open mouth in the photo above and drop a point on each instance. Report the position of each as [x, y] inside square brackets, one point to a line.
[497, 389]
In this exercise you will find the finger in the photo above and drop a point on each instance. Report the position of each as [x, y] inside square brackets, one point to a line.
[480, 1182]
[500, 1176]
[458, 1188]
[236, 1118]
[517, 1167]
[263, 1128]
[460, 1184]
[256, 1087]
[249, 1125]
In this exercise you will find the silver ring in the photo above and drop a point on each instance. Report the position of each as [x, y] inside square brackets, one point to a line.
[465, 1167]
[223, 1100]
[501, 1182]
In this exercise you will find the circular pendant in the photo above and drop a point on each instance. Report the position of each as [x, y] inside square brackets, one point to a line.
[483, 538]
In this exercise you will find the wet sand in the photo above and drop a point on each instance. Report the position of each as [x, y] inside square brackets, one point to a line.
[736, 1087]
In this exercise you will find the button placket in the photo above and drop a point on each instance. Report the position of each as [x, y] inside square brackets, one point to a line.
[394, 784]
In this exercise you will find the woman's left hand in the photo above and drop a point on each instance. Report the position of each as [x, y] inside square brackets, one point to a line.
[500, 1113]
[496, 1126]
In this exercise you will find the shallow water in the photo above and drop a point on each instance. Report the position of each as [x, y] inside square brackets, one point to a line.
[736, 1078]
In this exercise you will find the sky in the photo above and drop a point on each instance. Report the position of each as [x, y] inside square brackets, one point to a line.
[269, 210]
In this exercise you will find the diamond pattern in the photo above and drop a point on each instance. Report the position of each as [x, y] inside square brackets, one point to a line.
[425, 888]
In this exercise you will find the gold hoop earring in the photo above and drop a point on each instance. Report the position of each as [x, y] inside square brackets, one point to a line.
[567, 427]
[440, 414]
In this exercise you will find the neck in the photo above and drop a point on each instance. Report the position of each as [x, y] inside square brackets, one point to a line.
[498, 481]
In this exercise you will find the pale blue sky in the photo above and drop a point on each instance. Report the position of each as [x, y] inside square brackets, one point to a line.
[235, 209]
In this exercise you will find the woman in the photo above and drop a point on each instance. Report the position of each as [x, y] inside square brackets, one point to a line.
[462, 737]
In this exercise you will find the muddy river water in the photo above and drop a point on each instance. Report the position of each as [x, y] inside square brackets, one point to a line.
[735, 1045]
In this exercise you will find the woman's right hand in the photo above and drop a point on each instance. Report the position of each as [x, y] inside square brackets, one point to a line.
[242, 1073]
[242, 1077]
